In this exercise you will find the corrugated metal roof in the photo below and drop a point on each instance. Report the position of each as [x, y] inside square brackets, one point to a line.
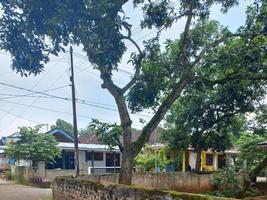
[263, 143]
[93, 147]
[2, 147]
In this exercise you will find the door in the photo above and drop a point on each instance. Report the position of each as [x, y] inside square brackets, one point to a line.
[112, 162]
[221, 161]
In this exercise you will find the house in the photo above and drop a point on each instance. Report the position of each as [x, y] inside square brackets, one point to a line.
[3, 158]
[93, 158]
[210, 160]
[262, 145]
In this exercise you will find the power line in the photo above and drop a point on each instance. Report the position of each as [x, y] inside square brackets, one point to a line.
[51, 110]
[84, 57]
[11, 96]
[80, 101]
[33, 88]
[19, 116]
[47, 109]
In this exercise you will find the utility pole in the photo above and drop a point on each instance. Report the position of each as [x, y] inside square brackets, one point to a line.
[75, 134]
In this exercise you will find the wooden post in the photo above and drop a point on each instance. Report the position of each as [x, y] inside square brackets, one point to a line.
[75, 131]
[184, 167]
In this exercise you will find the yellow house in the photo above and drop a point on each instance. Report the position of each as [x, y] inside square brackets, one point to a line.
[210, 160]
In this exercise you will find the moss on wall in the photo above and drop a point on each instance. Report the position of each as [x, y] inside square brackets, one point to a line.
[66, 187]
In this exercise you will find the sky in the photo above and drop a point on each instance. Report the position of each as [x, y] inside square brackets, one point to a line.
[17, 111]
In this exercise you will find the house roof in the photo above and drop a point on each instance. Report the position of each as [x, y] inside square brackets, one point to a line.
[2, 148]
[14, 135]
[61, 135]
[86, 147]
[94, 139]
[262, 145]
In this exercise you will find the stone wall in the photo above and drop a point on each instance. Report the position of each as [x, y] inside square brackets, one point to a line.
[68, 188]
[178, 181]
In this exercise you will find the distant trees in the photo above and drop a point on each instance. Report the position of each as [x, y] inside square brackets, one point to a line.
[33, 146]
[64, 125]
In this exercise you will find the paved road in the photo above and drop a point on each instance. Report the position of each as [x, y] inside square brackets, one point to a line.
[11, 191]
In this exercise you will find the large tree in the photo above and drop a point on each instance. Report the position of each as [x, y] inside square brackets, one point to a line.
[32, 30]
[209, 118]
[33, 146]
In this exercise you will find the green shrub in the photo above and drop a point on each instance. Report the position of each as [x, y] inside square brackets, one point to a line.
[228, 182]
[8, 175]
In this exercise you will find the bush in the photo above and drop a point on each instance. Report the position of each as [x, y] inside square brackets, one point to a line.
[229, 182]
[8, 175]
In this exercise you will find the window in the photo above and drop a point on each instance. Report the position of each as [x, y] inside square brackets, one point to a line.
[168, 155]
[209, 159]
[69, 160]
[98, 156]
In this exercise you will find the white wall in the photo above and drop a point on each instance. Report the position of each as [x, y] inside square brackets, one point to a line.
[192, 159]
[215, 161]
[3, 160]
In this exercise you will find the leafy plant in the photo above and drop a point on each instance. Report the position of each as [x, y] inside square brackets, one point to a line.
[33, 146]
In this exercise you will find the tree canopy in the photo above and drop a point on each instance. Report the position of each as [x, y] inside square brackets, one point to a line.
[33, 146]
[204, 52]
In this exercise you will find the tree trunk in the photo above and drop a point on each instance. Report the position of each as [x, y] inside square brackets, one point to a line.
[198, 161]
[253, 175]
[125, 176]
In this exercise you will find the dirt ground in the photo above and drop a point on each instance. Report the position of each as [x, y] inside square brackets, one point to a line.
[11, 191]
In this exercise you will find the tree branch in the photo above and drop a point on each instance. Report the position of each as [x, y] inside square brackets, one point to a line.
[175, 92]
[233, 76]
[186, 35]
[138, 62]
[216, 43]
[159, 115]
[108, 84]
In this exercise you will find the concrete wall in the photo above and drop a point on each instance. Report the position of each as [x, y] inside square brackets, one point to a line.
[77, 189]
[22, 174]
[50, 174]
[178, 181]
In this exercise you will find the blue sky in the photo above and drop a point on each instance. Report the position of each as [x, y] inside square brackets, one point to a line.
[25, 111]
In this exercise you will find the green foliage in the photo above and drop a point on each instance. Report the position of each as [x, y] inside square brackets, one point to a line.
[64, 125]
[28, 25]
[33, 146]
[150, 156]
[258, 124]
[228, 182]
[206, 118]
[247, 145]
[108, 133]
[87, 130]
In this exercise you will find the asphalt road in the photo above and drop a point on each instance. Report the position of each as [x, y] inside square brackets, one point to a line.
[11, 191]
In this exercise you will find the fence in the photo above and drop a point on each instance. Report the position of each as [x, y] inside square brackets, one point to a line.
[179, 181]
[103, 170]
